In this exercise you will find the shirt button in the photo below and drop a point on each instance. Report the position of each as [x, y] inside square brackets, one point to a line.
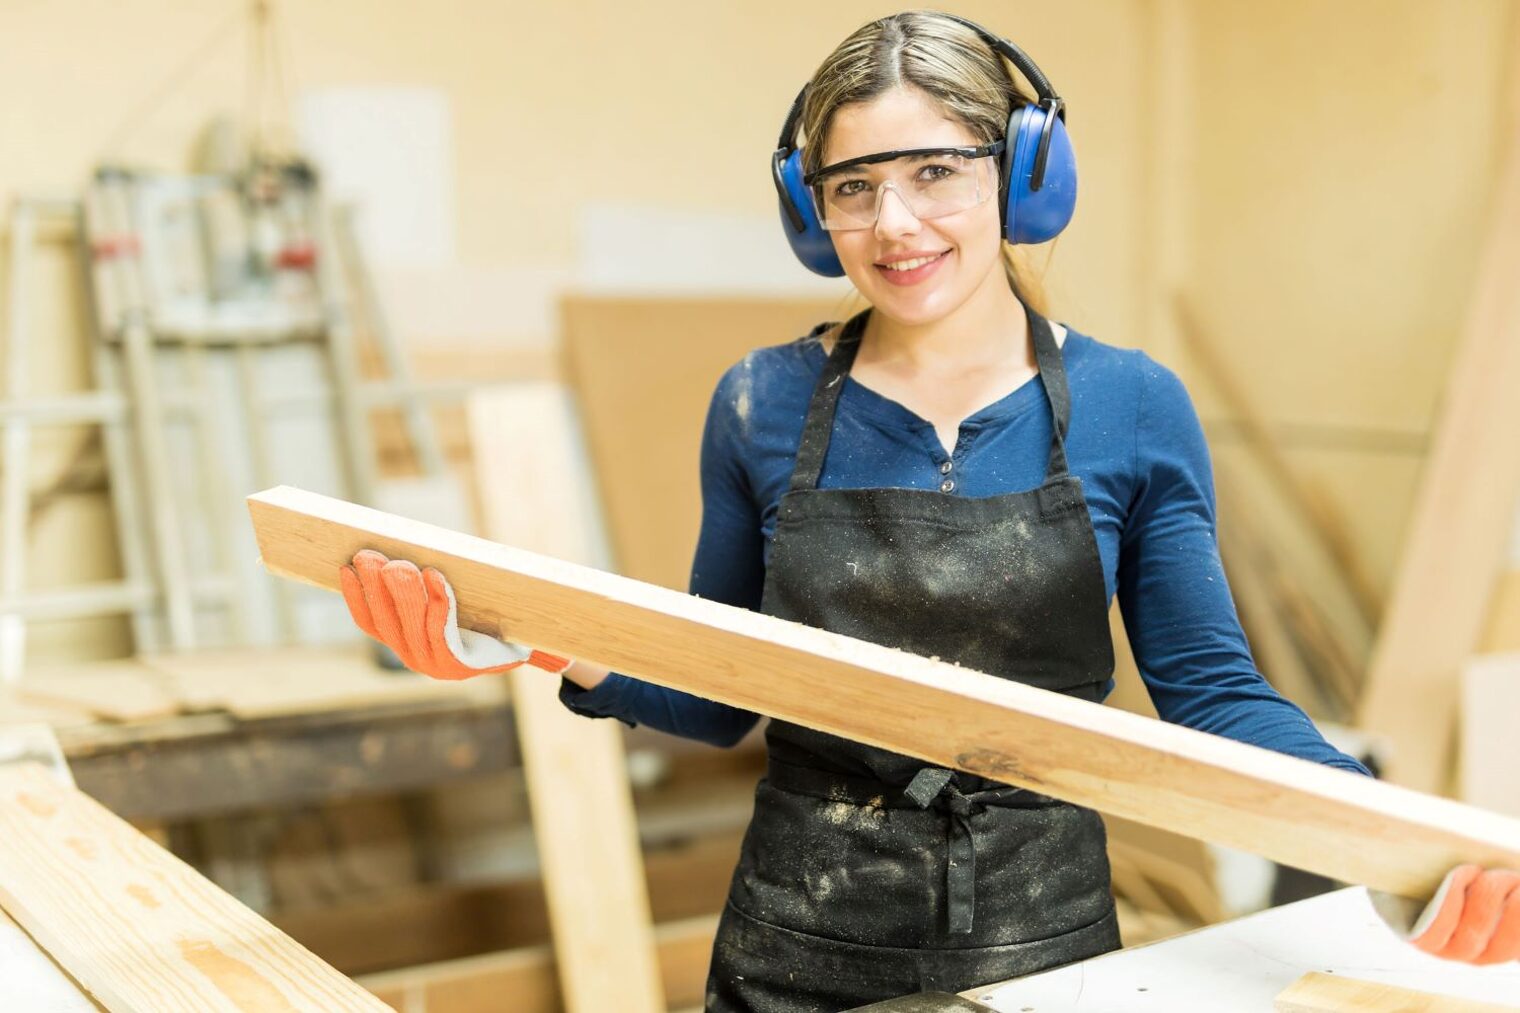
[947, 485]
[944, 469]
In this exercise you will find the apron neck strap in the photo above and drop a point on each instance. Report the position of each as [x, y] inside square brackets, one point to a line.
[1047, 355]
[825, 401]
[820, 416]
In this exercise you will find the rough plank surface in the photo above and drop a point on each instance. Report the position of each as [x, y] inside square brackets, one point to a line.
[532, 493]
[1329, 821]
[138, 928]
[1328, 993]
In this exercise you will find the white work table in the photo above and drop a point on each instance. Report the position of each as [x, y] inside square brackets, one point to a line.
[29, 980]
[1243, 964]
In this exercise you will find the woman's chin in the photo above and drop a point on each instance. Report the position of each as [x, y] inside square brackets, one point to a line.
[911, 307]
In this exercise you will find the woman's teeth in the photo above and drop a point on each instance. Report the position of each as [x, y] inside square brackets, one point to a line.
[908, 265]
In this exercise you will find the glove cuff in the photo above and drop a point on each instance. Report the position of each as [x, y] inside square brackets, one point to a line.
[547, 662]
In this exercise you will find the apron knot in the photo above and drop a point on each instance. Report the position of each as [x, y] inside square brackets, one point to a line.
[933, 785]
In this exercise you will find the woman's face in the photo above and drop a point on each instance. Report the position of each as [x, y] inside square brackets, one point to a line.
[966, 244]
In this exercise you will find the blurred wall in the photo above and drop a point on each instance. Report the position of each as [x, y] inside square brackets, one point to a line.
[1312, 174]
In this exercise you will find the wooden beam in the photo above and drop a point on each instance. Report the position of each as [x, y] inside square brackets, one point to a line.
[532, 493]
[137, 927]
[440, 922]
[1334, 993]
[1463, 516]
[1314, 817]
[527, 976]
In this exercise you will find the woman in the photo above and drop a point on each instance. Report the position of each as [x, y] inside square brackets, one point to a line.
[948, 473]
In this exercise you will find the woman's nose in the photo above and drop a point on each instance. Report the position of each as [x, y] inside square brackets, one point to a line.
[893, 215]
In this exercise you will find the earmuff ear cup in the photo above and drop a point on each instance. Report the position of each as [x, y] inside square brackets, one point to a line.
[1037, 216]
[812, 245]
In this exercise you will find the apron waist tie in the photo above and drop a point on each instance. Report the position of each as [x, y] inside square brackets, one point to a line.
[933, 784]
[931, 787]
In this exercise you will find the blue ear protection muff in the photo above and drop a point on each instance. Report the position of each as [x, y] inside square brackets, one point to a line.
[1037, 187]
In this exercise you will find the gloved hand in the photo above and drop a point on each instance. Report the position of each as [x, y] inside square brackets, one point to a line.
[1474, 916]
[413, 612]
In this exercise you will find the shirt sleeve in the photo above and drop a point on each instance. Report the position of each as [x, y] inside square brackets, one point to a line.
[1177, 607]
[729, 567]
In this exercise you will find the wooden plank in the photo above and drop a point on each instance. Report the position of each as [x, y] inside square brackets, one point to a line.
[1490, 702]
[18, 710]
[442, 922]
[1310, 816]
[137, 927]
[620, 349]
[528, 976]
[116, 690]
[533, 494]
[264, 683]
[1462, 519]
[1317, 992]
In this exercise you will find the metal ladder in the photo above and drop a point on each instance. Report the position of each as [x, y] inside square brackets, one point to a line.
[196, 390]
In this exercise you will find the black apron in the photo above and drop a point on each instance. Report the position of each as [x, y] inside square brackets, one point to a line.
[866, 874]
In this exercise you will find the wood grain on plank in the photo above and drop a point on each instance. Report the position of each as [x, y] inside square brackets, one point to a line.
[137, 927]
[533, 493]
[1314, 817]
[1332, 993]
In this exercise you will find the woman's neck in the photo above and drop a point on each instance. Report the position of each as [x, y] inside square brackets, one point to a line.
[988, 330]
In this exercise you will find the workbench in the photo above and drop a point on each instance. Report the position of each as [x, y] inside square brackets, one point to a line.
[222, 732]
[1240, 966]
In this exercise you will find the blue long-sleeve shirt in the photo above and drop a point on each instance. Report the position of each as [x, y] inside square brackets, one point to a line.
[1134, 441]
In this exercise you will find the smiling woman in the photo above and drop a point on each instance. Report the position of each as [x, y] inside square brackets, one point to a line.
[947, 473]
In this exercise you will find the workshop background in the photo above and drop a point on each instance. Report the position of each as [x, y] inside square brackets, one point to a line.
[564, 211]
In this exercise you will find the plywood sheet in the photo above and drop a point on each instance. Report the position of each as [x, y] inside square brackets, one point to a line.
[644, 371]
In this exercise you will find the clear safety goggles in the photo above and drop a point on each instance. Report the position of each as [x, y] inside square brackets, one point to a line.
[932, 182]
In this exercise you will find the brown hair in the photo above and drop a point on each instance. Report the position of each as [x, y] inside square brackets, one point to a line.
[943, 58]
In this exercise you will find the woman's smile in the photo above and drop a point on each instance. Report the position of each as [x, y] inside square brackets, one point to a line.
[912, 268]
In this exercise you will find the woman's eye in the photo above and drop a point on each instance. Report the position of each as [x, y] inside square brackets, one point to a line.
[850, 187]
[936, 172]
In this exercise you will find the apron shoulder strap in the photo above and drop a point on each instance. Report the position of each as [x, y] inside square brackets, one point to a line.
[825, 401]
[1053, 375]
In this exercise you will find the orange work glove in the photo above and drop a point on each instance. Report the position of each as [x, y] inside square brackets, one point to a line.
[1474, 917]
[413, 612]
